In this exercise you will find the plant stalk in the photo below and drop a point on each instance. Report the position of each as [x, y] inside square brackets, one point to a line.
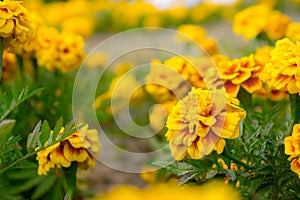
[70, 175]
[295, 108]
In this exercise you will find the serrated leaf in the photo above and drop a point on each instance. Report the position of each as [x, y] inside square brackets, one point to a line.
[33, 137]
[57, 128]
[6, 126]
[45, 133]
[43, 187]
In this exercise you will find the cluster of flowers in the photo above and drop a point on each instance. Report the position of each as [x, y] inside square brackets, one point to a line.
[25, 34]
[261, 19]
[121, 15]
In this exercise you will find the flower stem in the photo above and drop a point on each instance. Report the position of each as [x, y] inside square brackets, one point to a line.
[1, 56]
[295, 108]
[245, 98]
[234, 159]
[70, 175]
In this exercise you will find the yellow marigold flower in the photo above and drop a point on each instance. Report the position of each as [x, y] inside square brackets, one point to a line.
[61, 51]
[173, 79]
[277, 25]
[239, 72]
[9, 66]
[198, 34]
[172, 191]
[123, 89]
[15, 28]
[77, 147]
[158, 114]
[149, 174]
[193, 130]
[251, 21]
[293, 31]
[194, 32]
[283, 70]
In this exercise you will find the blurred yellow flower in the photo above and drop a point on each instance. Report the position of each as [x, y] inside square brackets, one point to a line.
[293, 31]
[15, 28]
[198, 35]
[194, 130]
[174, 78]
[158, 114]
[251, 21]
[9, 66]
[77, 147]
[59, 51]
[283, 70]
[208, 191]
[276, 25]
[191, 31]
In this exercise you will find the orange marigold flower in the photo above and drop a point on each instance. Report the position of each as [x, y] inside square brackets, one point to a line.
[283, 70]
[292, 148]
[15, 28]
[195, 125]
[295, 166]
[239, 72]
[77, 147]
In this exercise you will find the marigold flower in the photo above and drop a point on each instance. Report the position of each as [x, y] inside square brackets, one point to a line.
[61, 51]
[15, 28]
[283, 70]
[194, 125]
[239, 72]
[251, 21]
[9, 66]
[276, 25]
[198, 34]
[293, 31]
[78, 147]
[174, 78]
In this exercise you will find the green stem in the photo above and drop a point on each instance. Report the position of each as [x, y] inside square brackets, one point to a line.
[70, 175]
[295, 108]
[20, 66]
[17, 161]
[234, 159]
[245, 98]
[1, 56]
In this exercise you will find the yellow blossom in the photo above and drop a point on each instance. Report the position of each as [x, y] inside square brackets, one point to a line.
[283, 70]
[9, 66]
[276, 25]
[15, 28]
[292, 148]
[194, 130]
[59, 51]
[79, 147]
[293, 31]
[172, 191]
[251, 21]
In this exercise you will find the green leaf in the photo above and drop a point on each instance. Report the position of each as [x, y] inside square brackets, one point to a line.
[21, 174]
[44, 186]
[57, 129]
[5, 127]
[16, 189]
[45, 133]
[32, 139]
